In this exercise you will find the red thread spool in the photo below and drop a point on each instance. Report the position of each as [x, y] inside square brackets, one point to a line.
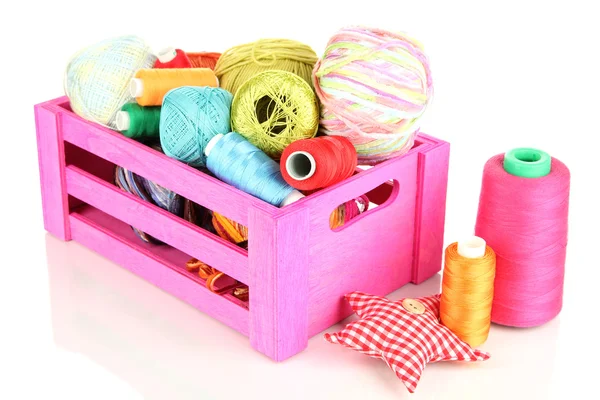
[317, 163]
[172, 58]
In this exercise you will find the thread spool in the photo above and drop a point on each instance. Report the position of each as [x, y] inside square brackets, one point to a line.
[190, 117]
[374, 86]
[318, 163]
[274, 109]
[137, 122]
[149, 86]
[523, 215]
[240, 63]
[204, 59]
[237, 162]
[468, 290]
[171, 57]
[97, 78]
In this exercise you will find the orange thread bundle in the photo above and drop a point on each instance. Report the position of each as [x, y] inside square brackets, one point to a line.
[150, 86]
[204, 59]
[467, 293]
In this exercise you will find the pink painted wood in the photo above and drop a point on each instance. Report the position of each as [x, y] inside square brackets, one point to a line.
[51, 157]
[297, 267]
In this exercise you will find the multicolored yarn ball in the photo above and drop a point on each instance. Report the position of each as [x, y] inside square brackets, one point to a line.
[189, 118]
[240, 63]
[374, 86]
[97, 77]
[274, 109]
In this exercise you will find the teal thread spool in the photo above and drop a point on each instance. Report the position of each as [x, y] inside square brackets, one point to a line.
[139, 123]
[190, 117]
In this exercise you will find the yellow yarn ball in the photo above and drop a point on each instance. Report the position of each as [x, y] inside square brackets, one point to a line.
[240, 63]
[274, 109]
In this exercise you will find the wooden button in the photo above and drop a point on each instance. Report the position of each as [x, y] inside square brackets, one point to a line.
[413, 306]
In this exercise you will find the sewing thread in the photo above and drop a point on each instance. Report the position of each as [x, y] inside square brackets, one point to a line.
[137, 122]
[274, 109]
[172, 58]
[468, 291]
[318, 163]
[525, 221]
[239, 163]
[204, 59]
[150, 86]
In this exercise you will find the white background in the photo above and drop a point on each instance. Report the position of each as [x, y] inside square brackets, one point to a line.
[506, 74]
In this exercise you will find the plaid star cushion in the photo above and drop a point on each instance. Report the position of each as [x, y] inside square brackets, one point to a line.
[406, 334]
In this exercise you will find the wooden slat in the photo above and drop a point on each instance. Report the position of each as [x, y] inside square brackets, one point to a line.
[147, 162]
[159, 223]
[157, 271]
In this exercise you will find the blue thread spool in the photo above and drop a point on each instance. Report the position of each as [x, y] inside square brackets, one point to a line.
[189, 118]
[239, 163]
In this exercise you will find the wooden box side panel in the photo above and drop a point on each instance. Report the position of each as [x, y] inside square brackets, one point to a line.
[372, 253]
[163, 225]
[278, 257]
[148, 266]
[430, 213]
[147, 162]
[51, 158]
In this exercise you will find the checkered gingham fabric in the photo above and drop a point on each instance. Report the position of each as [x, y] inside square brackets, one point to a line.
[405, 341]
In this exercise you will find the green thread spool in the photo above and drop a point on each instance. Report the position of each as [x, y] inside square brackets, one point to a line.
[527, 162]
[137, 122]
[274, 109]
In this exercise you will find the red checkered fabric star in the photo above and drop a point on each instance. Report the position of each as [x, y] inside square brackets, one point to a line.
[406, 334]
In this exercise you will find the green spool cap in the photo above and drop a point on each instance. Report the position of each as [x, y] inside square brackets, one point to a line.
[527, 162]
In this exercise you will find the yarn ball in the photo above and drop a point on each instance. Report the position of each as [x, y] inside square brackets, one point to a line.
[240, 63]
[374, 86]
[189, 118]
[97, 78]
[274, 109]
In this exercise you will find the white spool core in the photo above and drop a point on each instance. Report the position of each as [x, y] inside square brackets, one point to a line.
[300, 165]
[473, 247]
[123, 121]
[167, 55]
[136, 87]
[292, 197]
[212, 143]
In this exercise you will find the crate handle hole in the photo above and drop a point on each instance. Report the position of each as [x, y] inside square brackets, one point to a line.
[358, 208]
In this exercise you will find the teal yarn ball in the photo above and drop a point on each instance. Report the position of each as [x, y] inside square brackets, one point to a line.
[189, 118]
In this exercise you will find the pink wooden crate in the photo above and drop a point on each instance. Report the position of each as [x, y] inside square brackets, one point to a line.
[296, 266]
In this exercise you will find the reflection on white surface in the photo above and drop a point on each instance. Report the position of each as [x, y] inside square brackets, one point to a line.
[166, 349]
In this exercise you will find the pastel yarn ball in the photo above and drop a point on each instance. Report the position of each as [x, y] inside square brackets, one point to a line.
[97, 78]
[374, 86]
[274, 109]
[191, 116]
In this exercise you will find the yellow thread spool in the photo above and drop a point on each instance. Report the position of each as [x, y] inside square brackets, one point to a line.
[468, 290]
